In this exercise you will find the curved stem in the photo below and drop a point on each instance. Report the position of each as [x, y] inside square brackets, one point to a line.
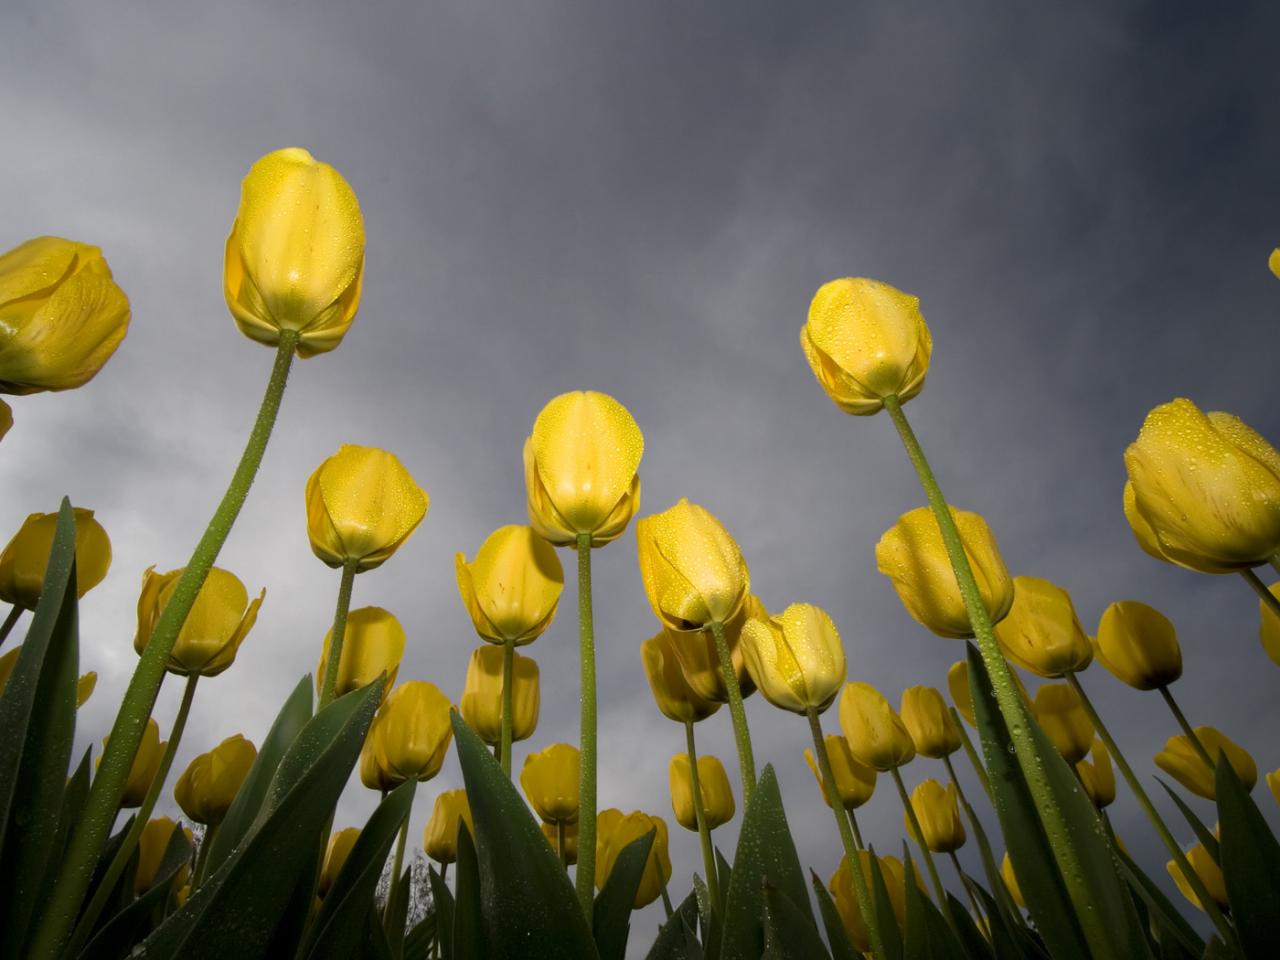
[560, 847]
[1260, 588]
[666, 902]
[508, 663]
[338, 635]
[9, 623]
[741, 734]
[853, 826]
[1186, 727]
[586, 874]
[202, 858]
[704, 832]
[939, 890]
[396, 866]
[974, 759]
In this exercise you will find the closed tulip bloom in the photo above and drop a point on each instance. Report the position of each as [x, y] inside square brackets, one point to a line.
[1204, 489]
[1061, 715]
[845, 895]
[1273, 262]
[911, 554]
[550, 781]
[961, 695]
[1042, 633]
[876, 734]
[927, 719]
[362, 504]
[855, 781]
[671, 691]
[1011, 881]
[1273, 781]
[713, 784]
[512, 587]
[614, 832]
[1181, 761]
[481, 704]
[61, 315]
[1269, 632]
[440, 838]
[152, 843]
[335, 856]
[938, 810]
[146, 764]
[796, 658]
[295, 256]
[580, 466]
[1138, 645]
[1210, 875]
[550, 831]
[866, 340]
[700, 662]
[1098, 776]
[409, 737]
[211, 781]
[85, 686]
[23, 562]
[372, 644]
[214, 629]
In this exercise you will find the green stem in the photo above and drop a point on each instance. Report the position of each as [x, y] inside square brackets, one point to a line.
[964, 882]
[666, 902]
[586, 873]
[974, 759]
[704, 832]
[560, 846]
[1004, 903]
[338, 635]
[202, 858]
[508, 665]
[932, 867]
[1260, 588]
[100, 807]
[1186, 727]
[397, 865]
[857, 834]
[9, 623]
[741, 734]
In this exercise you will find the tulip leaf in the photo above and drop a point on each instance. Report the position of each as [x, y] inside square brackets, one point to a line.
[915, 931]
[398, 913]
[1006, 911]
[705, 910]
[1010, 941]
[1159, 906]
[789, 933]
[375, 945]
[73, 800]
[970, 938]
[468, 925]
[837, 936]
[442, 897]
[678, 937]
[1202, 832]
[1250, 863]
[417, 942]
[611, 917]
[886, 917]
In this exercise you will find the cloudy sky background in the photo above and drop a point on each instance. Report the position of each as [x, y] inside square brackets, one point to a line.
[641, 199]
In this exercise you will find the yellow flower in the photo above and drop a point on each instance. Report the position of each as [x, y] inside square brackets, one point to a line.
[693, 571]
[295, 256]
[958, 687]
[695, 650]
[1061, 715]
[481, 704]
[372, 643]
[580, 466]
[614, 831]
[876, 734]
[550, 781]
[152, 843]
[335, 856]
[362, 504]
[927, 719]
[1098, 776]
[855, 781]
[1204, 490]
[1273, 262]
[512, 589]
[211, 636]
[1042, 633]
[146, 764]
[713, 786]
[1139, 645]
[671, 691]
[1181, 761]
[1269, 631]
[912, 555]
[1273, 781]
[23, 562]
[1011, 881]
[866, 340]
[551, 832]
[409, 737]
[440, 838]
[1210, 875]
[796, 658]
[61, 315]
[85, 686]
[212, 780]
[938, 810]
[846, 897]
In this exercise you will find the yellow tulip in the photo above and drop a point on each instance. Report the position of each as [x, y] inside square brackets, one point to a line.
[1138, 645]
[550, 781]
[700, 662]
[214, 629]
[876, 734]
[440, 838]
[927, 719]
[1273, 781]
[152, 843]
[1181, 761]
[1269, 631]
[713, 786]
[1210, 875]
[938, 810]
[961, 695]
[61, 315]
[23, 562]
[481, 704]
[796, 658]
[85, 686]
[1011, 881]
[295, 256]
[614, 831]
[866, 340]
[1042, 633]
[6, 419]
[912, 555]
[1061, 715]
[671, 691]
[1273, 262]
[855, 781]
[373, 643]
[409, 737]
[335, 857]
[146, 764]
[8, 660]
[362, 504]
[512, 588]
[846, 898]
[1098, 776]
[551, 832]
[1204, 490]
[580, 466]
[211, 781]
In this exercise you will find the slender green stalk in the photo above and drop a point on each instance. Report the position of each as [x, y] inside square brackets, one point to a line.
[974, 759]
[666, 902]
[338, 635]
[586, 873]
[9, 623]
[508, 664]
[741, 734]
[561, 849]
[1186, 727]
[100, 807]
[704, 832]
[202, 858]
[932, 867]
[857, 834]
[964, 881]
[396, 867]
[1260, 588]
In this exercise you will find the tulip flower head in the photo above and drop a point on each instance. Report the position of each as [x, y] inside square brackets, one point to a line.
[877, 736]
[1138, 645]
[700, 662]
[1182, 761]
[1011, 881]
[1273, 262]
[152, 844]
[481, 704]
[335, 857]
[846, 899]
[961, 695]
[855, 781]
[211, 781]
[796, 658]
[713, 786]
[614, 832]
[938, 810]
[1098, 776]
[671, 691]
[1269, 631]
[1060, 713]
[550, 782]
[1042, 633]
[26, 557]
[373, 643]
[513, 586]
[927, 719]
[146, 764]
[440, 838]
[409, 737]
[1209, 873]
[211, 635]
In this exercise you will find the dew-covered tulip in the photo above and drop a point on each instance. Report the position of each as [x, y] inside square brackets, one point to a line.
[440, 837]
[1011, 881]
[24, 559]
[295, 255]
[1269, 631]
[335, 857]
[550, 782]
[1098, 776]
[845, 894]
[373, 643]
[580, 466]
[481, 703]
[1042, 633]
[551, 832]
[614, 832]
[513, 586]
[152, 844]
[876, 734]
[796, 658]
[927, 719]
[1183, 762]
[938, 810]
[866, 340]
[211, 781]
[912, 555]
[218, 623]
[1061, 715]
[146, 764]
[675, 698]
[409, 737]
[1138, 645]
[700, 661]
[61, 315]
[855, 781]
[713, 784]
[1209, 874]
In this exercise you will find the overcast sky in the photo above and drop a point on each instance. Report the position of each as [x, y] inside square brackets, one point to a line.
[642, 199]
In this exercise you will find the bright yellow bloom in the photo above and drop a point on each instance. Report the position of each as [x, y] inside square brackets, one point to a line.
[614, 831]
[1139, 645]
[335, 856]
[866, 340]
[1269, 631]
[512, 588]
[1204, 490]
[85, 686]
[1273, 781]
[876, 734]
[911, 554]
[855, 781]
[927, 719]
[671, 691]
[1181, 761]
[440, 838]
[1210, 875]
[938, 810]
[1273, 262]
[152, 843]
[146, 764]
[1098, 776]
[551, 832]
[796, 658]
[409, 737]
[1042, 633]
[1061, 715]
[295, 256]
[23, 562]
[713, 786]
[695, 650]
[580, 466]
[846, 897]
[958, 687]
[550, 781]
[211, 781]
[372, 643]
[211, 635]
[481, 704]
[1011, 881]
[61, 315]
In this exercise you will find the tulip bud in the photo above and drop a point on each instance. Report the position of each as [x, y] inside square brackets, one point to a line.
[845, 895]
[580, 466]
[23, 562]
[876, 734]
[961, 695]
[440, 838]
[295, 256]
[713, 786]
[1139, 645]
[6, 419]
[550, 782]
[210, 638]
[61, 315]
[409, 737]
[1061, 715]
[1269, 631]
[855, 781]
[614, 832]
[146, 764]
[865, 341]
[1182, 761]
[796, 658]
[911, 554]
[1098, 777]
[85, 686]
[1273, 262]
[1204, 490]
[512, 589]
[938, 810]
[481, 704]
[1273, 781]
[1042, 633]
[700, 660]
[551, 832]
[372, 643]
[1209, 873]
[211, 781]
[152, 844]
[335, 857]
[927, 719]
[671, 691]
[1011, 881]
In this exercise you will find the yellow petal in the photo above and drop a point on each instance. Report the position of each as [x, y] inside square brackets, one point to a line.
[513, 587]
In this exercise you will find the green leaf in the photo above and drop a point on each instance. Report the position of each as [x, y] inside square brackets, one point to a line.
[678, 937]
[789, 933]
[1162, 911]
[444, 907]
[915, 940]
[1013, 942]
[886, 918]
[1250, 864]
[1006, 912]
[969, 937]
[1203, 833]
[375, 945]
[611, 916]
[72, 804]
[417, 942]
[468, 925]
[837, 936]
[398, 913]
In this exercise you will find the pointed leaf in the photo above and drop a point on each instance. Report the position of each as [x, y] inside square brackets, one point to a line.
[886, 918]
[417, 942]
[969, 936]
[789, 933]
[678, 938]
[1250, 864]
[1158, 905]
[915, 931]
[468, 925]
[442, 898]
[1202, 832]
[612, 913]
[837, 936]
[398, 913]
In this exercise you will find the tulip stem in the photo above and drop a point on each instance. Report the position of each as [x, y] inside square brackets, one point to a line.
[508, 664]
[586, 873]
[1260, 588]
[857, 834]
[746, 759]
[560, 846]
[394, 885]
[704, 833]
[100, 807]
[202, 857]
[338, 634]
[666, 902]
[934, 876]
[964, 882]
[9, 623]
[863, 893]
[1186, 727]
[974, 759]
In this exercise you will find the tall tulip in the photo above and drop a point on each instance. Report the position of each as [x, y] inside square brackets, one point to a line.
[211, 781]
[1138, 645]
[550, 781]
[374, 645]
[1207, 872]
[440, 837]
[1042, 633]
[675, 698]
[483, 696]
[26, 556]
[925, 715]
[218, 623]
[714, 794]
[1183, 762]
[795, 658]
[335, 857]
[617, 831]
[937, 810]
[409, 737]
[876, 734]
[855, 781]
[1098, 776]
[1061, 715]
